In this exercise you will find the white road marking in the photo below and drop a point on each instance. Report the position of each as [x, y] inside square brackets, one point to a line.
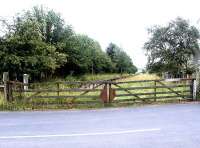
[83, 134]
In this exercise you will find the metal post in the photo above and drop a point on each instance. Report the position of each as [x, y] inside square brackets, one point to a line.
[25, 81]
[194, 90]
[197, 80]
[5, 80]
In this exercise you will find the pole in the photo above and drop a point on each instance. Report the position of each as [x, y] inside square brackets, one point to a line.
[5, 81]
[155, 90]
[58, 89]
[194, 90]
[25, 81]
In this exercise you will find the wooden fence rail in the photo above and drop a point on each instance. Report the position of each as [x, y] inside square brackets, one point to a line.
[104, 91]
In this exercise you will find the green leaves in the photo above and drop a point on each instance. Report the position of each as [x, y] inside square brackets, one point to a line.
[171, 47]
[85, 56]
[121, 61]
[38, 42]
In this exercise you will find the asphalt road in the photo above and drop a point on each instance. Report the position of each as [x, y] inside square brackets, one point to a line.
[164, 126]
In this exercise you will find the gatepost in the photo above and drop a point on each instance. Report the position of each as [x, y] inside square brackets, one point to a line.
[25, 81]
[5, 81]
[194, 90]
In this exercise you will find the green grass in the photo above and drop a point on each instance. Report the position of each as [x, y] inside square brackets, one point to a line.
[87, 77]
[152, 84]
[21, 103]
[1, 97]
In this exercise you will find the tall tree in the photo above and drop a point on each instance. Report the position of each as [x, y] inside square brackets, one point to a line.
[170, 48]
[122, 62]
[85, 56]
[23, 49]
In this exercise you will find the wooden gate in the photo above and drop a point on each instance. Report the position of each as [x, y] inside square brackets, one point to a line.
[54, 92]
[102, 91]
[153, 90]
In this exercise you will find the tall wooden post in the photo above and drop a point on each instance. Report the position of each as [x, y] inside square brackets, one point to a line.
[155, 90]
[58, 89]
[109, 93]
[5, 81]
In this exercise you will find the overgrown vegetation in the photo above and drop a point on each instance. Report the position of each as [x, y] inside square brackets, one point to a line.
[39, 43]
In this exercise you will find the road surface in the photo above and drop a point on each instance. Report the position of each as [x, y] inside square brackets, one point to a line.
[154, 126]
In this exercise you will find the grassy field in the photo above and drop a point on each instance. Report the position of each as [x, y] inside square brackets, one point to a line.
[141, 77]
[62, 103]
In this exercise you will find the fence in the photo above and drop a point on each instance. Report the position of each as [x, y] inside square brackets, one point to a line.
[102, 91]
[153, 90]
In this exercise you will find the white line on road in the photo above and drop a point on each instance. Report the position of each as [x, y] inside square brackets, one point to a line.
[83, 134]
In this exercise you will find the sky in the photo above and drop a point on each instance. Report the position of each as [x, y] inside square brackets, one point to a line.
[123, 22]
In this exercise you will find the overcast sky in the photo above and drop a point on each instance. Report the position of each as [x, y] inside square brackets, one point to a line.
[123, 22]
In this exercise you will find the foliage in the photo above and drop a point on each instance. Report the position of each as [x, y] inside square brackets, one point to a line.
[85, 56]
[38, 42]
[170, 48]
[24, 51]
[122, 62]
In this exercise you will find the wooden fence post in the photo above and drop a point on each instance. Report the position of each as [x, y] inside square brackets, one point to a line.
[109, 93]
[58, 89]
[9, 91]
[155, 90]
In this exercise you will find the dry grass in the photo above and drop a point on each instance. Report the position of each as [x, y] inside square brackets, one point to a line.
[139, 77]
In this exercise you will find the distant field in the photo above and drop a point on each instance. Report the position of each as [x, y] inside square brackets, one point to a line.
[88, 77]
[142, 77]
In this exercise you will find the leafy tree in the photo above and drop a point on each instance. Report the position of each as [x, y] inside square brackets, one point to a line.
[122, 62]
[85, 56]
[52, 26]
[38, 42]
[22, 49]
[170, 48]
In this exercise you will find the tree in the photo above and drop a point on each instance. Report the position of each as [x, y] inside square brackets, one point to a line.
[23, 49]
[85, 56]
[122, 62]
[170, 48]
[38, 42]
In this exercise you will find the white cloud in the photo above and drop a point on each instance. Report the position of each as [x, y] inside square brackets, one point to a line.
[123, 22]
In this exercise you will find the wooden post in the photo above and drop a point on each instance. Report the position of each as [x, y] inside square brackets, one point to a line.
[5, 81]
[109, 93]
[10, 91]
[58, 88]
[20, 90]
[155, 90]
